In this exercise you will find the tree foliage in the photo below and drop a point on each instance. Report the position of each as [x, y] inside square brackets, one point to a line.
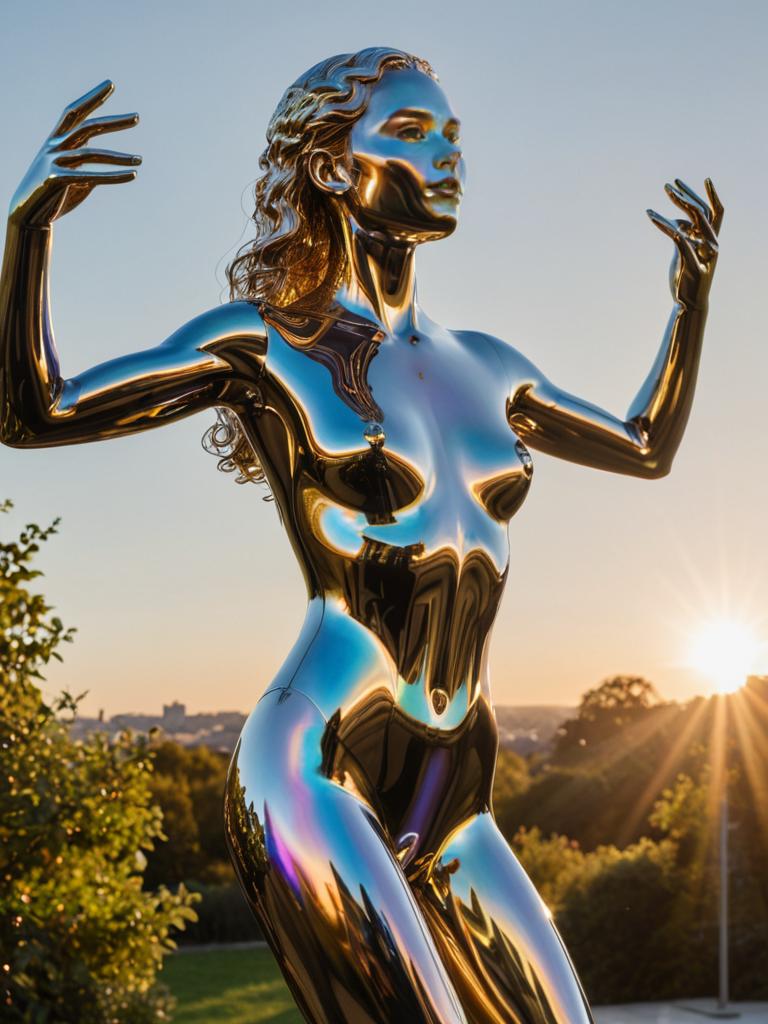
[80, 939]
[641, 922]
[617, 918]
[188, 785]
[511, 779]
[619, 827]
[605, 711]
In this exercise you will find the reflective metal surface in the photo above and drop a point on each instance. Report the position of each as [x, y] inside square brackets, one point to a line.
[358, 807]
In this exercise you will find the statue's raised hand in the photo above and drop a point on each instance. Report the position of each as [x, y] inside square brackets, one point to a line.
[62, 174]
[696, 242]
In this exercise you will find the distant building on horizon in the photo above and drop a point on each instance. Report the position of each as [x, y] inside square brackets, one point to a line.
[174, 716]
[524, 729]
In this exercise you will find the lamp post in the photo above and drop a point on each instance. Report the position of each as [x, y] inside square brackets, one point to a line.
[722, 953]
[722, 1009]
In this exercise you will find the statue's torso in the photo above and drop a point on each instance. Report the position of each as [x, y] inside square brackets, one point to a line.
[396, 473]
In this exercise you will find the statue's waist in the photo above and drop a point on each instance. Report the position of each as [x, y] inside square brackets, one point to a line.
[431, 672]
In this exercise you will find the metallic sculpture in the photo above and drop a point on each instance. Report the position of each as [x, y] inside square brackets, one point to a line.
[358, 808]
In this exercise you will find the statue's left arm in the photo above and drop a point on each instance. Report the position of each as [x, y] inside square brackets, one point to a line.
[643, 444]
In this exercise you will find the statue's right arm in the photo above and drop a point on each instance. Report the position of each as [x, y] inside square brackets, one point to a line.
[202, 364]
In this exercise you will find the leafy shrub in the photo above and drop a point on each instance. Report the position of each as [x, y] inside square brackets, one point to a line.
[551, 863]
[615, 918]
[559, 800]
[641, 923]
[81, 940]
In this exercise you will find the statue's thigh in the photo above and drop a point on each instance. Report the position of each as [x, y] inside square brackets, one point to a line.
[321, 877]
[496, 936]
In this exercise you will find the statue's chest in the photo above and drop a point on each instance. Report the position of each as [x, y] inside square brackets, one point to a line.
[381, 427]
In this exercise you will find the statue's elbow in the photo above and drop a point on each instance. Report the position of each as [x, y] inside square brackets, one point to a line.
[14, 439]
[655, 465]
[8, 431]
[661, 470]
[16, 433]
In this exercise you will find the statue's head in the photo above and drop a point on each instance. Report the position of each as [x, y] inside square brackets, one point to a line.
[368, 137]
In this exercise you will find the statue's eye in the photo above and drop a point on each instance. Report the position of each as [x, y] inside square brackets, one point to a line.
[412, 133]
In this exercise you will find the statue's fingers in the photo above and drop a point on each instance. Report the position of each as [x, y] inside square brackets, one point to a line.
[694, 197]
[717, 207]
[699, 214]
[99, 126]
[77, 157]
[673, 230]
[667, 226]
[80, 108]
[77, 176]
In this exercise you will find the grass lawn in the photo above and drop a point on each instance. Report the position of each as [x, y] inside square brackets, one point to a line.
[242, 986]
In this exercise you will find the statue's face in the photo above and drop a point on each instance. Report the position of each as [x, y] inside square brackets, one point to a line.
[406, 157]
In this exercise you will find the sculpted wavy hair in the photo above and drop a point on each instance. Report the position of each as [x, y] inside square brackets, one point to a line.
[297, 257]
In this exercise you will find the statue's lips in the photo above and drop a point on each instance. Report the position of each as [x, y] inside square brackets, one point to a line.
[447, 188]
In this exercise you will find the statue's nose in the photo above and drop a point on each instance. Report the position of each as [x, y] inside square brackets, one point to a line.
[448, 160]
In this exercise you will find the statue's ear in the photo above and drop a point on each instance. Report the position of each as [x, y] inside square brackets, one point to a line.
[327, 174]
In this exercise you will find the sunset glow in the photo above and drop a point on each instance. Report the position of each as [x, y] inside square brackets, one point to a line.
[725, 652]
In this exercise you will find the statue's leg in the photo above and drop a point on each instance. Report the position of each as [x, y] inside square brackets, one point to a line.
[495, 935]
[321, 877]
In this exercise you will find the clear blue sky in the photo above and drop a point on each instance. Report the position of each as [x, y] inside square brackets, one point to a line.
[575, 114]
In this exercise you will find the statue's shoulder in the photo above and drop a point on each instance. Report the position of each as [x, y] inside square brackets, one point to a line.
[240, 318]
[225, 328]
[504, 355]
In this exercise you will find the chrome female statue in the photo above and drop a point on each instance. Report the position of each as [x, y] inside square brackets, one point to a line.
[358, 808]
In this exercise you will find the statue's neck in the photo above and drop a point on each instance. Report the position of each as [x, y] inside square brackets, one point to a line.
[380, 283]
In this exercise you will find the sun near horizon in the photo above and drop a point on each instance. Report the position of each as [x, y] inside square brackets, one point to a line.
[725, 652]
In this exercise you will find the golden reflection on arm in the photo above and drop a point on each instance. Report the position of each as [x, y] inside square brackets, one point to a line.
[644, 444]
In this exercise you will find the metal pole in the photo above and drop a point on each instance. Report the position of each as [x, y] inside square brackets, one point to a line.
[722, 999]
[721, 1010]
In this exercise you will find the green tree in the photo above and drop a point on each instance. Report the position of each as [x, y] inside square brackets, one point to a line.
[188, 784]
[510, 781]
[641, 922]
[615, 916]
[550, 862]
[688, 813]
[569, 803]
[80, 939]
[177, 860]
[605, 711]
